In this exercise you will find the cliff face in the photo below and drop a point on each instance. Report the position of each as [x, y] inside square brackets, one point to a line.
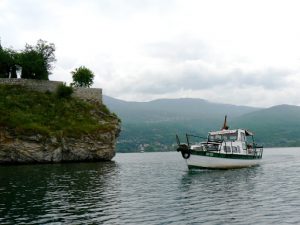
[39, 127]
[37, 148]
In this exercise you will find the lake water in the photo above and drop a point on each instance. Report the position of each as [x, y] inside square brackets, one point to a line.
[152, 188]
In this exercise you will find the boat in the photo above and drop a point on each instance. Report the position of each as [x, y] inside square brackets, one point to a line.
[223, 149]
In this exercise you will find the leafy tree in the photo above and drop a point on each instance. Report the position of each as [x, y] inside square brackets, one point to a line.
[47, 51]
[33, 65]
[82, 77]
[8, 67]
[4, 72]
[36, 61]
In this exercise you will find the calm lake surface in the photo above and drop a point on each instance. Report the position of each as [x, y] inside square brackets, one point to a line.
[152, 188]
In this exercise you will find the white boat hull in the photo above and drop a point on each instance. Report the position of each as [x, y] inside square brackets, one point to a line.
[199, 161]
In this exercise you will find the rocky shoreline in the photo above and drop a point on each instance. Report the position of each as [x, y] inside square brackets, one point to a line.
[36, 126]
[24, 149]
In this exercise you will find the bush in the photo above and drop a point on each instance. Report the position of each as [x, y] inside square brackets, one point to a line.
[64, 91]
[82, 77]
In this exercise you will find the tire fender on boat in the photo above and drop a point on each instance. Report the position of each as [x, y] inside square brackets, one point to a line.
[185, 154]
[185, 151]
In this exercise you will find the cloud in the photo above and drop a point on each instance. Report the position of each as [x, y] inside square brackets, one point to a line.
[179, 50]
[236, 83]
[146, 49]
[165, 76]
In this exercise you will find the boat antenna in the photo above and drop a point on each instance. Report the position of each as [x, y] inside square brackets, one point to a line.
[225, 127]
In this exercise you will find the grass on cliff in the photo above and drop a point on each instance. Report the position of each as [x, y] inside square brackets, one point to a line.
[28, 111]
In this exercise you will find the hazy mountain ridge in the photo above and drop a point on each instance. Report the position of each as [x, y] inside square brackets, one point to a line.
[152, 125]
[184, 109]
[275, 126]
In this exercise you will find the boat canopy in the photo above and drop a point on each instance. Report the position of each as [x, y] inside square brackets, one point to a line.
[220, 132]
[223, 132]
[248, 133]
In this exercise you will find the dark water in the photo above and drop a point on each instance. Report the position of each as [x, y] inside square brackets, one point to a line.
[152, 188]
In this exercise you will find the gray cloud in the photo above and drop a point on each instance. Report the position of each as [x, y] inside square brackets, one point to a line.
[30, 14]
[154, 48]
[196, 66]
[268, 78]
[122, 9]
[200, 78]
[182, 49]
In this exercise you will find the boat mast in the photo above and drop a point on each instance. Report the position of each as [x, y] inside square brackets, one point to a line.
[225, 127]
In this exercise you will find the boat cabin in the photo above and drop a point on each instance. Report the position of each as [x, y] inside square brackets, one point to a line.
[231, 135]
[238, 141]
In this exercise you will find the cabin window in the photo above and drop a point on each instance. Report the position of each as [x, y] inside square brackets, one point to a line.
[216, 137]
[230, 137]
[234, 149]
[226, 149]
[212, 147]
[238, 149]
[223, 137]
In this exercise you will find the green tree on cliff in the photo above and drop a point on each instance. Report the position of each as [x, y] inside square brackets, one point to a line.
[8, 65]
[36, 61]
[82, 77]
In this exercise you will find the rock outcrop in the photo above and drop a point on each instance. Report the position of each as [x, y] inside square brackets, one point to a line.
[38, 126]
[98, 146]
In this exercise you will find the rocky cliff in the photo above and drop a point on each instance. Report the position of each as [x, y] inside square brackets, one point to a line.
[36, 148]
[46, 129]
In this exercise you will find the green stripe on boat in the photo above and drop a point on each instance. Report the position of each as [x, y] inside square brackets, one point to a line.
[193, 167]
[224, 155]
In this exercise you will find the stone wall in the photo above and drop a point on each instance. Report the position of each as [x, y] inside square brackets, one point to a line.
[94, 94]
[37, 85]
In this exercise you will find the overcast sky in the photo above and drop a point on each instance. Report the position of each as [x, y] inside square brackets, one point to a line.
[244, 52]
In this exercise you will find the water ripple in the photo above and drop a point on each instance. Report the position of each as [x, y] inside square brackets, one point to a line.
[154, 188]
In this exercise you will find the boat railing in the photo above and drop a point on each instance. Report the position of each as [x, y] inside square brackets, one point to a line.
[213, 145]
[255, 150]
[258, 150]
[189, 136]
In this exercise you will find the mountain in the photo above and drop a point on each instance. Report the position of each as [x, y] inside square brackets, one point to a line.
[163, 110]
[152, 125]
[275, 126]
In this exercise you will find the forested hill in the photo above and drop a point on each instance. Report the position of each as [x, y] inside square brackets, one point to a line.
[151, 126]
[275, 126]
[163, 110]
